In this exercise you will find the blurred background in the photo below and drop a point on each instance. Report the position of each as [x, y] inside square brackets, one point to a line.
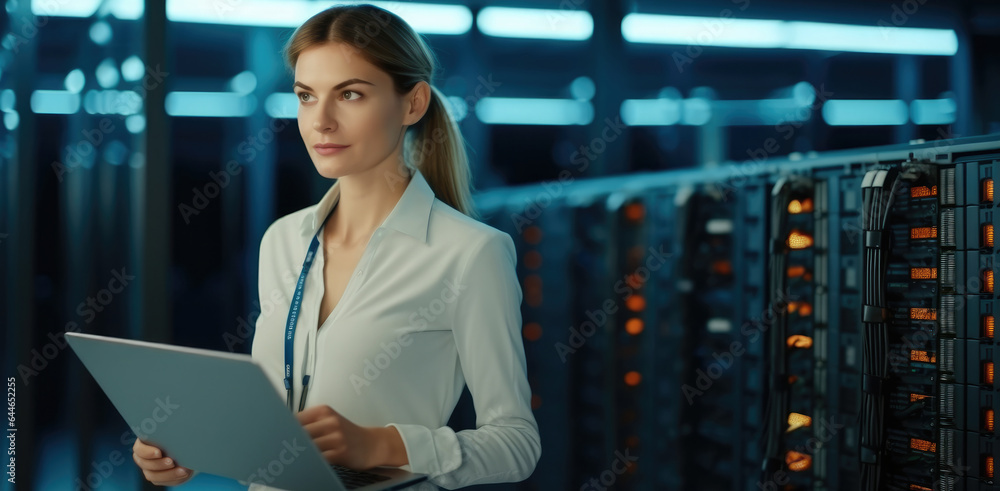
[150, 144]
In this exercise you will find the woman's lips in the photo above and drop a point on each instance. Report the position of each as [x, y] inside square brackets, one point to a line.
[329, 148]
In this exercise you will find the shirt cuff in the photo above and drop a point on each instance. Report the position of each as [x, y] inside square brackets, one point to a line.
[431, 452]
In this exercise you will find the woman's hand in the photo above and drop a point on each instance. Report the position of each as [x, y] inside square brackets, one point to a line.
[158, 469]
[339, 440]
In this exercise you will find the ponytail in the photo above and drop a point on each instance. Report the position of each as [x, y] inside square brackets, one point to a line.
[436, 147]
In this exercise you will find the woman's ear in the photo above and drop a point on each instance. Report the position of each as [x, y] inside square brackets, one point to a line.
[416, 103]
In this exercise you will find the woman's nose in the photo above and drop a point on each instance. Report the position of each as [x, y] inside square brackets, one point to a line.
[324, 124]
[325, 121]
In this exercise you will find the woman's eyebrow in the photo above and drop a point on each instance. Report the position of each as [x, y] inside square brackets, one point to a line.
[341, 85]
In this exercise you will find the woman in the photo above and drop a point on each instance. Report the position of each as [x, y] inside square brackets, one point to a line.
[411, 297]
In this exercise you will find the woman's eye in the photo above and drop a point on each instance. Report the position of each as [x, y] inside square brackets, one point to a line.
[353, 96]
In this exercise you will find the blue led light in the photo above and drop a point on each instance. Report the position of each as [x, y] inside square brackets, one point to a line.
[133, 69]
[933, 111]
[209, 104]
[754, 33]
[425, 18]
[568, 25]
[844, 112]
[54, 102]
[528, 111]
[582, 88]
[74, 81]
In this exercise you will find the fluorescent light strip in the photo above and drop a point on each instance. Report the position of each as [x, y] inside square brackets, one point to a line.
[282, 105]
[933, 111]
[843, 112]
[703, 31]
[668, 111]
[425, 18]
[569, 25]
[54, 102]
[80, 8]
[753, 33]
[872, 39]
[698, 111]
[247, 13]
[122, 9]
[122, 102]
[504, 110]
[650, 112]
[210, 104]
[777, 111]
[428, 18]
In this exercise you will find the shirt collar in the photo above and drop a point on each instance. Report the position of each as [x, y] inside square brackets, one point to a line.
[410, 215]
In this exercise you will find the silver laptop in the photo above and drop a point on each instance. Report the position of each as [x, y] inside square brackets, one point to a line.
[217, 412]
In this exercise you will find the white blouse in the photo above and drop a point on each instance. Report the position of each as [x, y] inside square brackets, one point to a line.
[433, 304]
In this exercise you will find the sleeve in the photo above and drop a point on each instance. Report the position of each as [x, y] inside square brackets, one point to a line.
[505, 446]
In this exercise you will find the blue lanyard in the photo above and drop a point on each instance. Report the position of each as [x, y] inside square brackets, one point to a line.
[293, 317]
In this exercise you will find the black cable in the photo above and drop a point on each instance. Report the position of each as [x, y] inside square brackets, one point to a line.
[776, 391]
[877, 204]
[869, 423]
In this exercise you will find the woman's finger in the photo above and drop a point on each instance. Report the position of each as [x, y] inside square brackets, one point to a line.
[320, 428]
[169, 477]
[154, 464]
[145, 450]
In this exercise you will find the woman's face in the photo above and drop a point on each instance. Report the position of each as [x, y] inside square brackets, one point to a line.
[345, 100]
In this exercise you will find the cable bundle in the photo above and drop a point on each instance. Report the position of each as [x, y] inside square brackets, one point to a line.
[878, 193]
[777, 396]
[777, 385]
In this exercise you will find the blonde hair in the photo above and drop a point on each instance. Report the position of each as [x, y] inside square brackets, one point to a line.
[435, 144]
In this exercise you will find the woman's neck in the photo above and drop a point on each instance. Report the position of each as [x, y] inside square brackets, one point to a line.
[365, 201]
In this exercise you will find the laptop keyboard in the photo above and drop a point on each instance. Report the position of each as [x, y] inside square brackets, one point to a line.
[353, 479]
